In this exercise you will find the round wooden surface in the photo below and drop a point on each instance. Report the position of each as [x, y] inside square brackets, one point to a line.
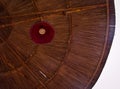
[75, 57]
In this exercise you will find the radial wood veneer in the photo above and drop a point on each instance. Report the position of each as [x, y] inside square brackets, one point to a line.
[73, 59]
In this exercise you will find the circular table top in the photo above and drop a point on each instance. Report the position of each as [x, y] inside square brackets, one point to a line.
[80, 34]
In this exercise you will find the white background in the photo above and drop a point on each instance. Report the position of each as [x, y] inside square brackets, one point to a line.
[110, 77]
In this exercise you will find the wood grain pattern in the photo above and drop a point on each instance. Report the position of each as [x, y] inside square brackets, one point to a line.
[84, 31]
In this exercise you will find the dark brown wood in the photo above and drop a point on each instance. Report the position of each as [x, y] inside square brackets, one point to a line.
[84, 31]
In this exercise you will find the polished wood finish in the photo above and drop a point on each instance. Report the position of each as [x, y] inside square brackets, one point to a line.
[84, 31]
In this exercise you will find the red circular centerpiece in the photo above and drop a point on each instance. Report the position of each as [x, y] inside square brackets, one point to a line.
[42, 32]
